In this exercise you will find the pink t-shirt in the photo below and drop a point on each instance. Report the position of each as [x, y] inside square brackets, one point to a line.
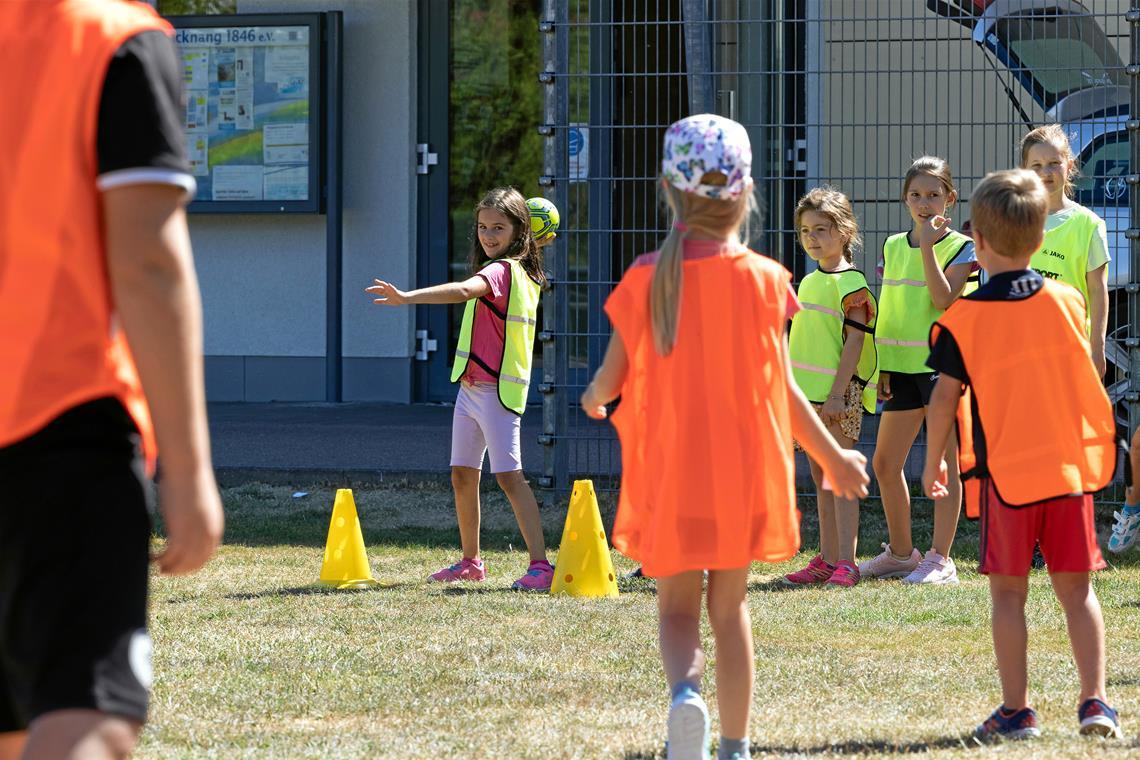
[488, 331]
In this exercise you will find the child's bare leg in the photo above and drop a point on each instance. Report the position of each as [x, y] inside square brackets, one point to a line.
[947, 510]
[897, 431]
[524, 504]
[846, 513]
[732, 629]
[678, 627]
[465, 483]
[1086, 630]
[1008, 594]
[825, 506]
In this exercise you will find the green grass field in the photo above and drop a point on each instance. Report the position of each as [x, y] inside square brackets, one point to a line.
[253, 659]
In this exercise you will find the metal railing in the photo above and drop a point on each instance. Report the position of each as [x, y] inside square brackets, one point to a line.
[832, 92]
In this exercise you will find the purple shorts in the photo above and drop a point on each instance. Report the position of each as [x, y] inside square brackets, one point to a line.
[482, 423]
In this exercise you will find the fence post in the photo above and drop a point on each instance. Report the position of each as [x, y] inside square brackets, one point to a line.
[555, 344]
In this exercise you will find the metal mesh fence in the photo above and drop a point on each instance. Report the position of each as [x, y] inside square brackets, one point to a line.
[832, 92]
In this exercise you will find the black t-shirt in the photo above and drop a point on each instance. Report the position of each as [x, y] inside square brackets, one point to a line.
[945, 356]
[141, 115]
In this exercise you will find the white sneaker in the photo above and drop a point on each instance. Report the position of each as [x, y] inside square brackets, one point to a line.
[935, 570]
[886, 565]
[1125, 531]
[688, 728]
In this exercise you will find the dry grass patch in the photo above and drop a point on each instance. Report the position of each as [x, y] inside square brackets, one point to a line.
[254, 660]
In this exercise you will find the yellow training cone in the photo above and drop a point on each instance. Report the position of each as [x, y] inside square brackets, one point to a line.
[584, 565]
[346, 562]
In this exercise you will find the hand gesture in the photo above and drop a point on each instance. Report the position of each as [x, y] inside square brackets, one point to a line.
[884, 386]
[192, 513]
[832, 410]
[931, 230]
[591, 405]
[386, 293]
[847, 475]
[934, 480]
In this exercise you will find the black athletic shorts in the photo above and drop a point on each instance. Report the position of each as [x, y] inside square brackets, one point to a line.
[74, 544]
[910, 391]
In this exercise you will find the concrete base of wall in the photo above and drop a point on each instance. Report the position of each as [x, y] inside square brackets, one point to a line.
[302, 378]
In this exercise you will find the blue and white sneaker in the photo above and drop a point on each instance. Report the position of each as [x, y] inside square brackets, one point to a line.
[1126, 530]
[1098, 719]
[688, 727]
[1021, 724]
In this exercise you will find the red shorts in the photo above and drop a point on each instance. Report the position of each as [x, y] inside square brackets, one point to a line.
[1064, 528]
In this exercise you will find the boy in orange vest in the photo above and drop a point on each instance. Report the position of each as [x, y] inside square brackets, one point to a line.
[1030, 474]
[95, 267]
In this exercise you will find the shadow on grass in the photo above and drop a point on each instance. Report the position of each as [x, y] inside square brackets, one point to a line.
[869, 747]
[315, 590]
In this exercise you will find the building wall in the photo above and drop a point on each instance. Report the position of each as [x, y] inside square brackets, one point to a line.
[263, 277]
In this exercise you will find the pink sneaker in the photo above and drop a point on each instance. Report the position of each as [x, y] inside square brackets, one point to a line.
[817, 571]
[538, 577]
[463, 570]
[846, 574]
[886, 565]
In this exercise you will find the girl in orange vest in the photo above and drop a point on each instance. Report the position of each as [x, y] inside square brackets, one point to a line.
[708, 411]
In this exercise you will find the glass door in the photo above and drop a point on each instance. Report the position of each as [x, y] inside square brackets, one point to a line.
[480, 104]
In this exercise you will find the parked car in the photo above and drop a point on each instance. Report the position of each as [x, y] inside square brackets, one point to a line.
[1059, 54]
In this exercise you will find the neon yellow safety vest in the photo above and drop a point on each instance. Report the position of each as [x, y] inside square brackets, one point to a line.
[906, 311]
[818, 330]
[1064, 254]
[518, 338]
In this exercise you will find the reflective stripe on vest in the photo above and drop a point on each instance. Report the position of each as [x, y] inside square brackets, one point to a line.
[815, 344]
[513, 372]
[59, 346]
[1051, 437]
[906, 311]
[1064, 254]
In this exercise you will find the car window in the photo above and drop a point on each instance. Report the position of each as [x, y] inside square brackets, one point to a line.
[1056, 54]
[1104, 165]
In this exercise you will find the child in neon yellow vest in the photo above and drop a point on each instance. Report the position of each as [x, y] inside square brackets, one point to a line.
[835, 364]
[924, 270]
[1075, 250]
[502, 302]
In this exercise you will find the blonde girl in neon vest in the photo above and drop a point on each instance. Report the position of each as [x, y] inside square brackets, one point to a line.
[706, 420]
[492, 365]
[924, 270]
[834, 362]
[1075, 250]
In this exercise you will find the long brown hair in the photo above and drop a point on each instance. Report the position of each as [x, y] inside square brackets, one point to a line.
[932, 166]
[691, 213]
[833, 204]
[511, 204]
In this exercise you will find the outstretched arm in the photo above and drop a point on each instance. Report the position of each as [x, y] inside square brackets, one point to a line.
[388, 294]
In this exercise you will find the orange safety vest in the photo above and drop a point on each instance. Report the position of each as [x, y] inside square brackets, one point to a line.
[1034, 402]
[706, 442]
[60, 344]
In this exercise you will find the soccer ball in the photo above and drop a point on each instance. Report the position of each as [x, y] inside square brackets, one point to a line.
[543, 217]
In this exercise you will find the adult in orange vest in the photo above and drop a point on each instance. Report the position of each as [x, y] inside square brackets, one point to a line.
[94, 268]
[1036, 437]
